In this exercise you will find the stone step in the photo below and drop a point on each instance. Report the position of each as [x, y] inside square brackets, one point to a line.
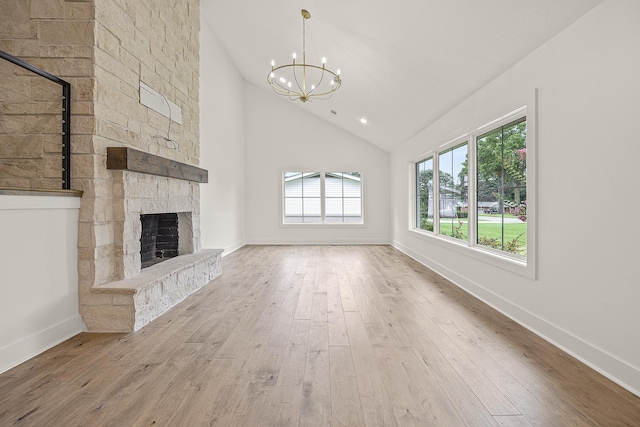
[141, 299]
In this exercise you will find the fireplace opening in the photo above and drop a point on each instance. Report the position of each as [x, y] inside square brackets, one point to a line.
[159, 239]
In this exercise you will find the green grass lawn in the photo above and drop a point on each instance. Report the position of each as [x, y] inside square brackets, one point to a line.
[491, 230]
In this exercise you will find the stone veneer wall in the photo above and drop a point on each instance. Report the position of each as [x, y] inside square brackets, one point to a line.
[56, 36]
[105, 48]
[30, 129]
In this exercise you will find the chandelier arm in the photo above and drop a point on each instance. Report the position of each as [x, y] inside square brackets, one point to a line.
[295, 77]
[278, 89]
[276, 86]
[317, 84]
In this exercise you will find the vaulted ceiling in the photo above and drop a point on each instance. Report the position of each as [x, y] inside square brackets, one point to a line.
[404, 63]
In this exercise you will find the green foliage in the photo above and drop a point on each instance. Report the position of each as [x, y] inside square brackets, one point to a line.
[425, 191]
[513, 245]
[426, 225]
[501, 160]
[459, 231]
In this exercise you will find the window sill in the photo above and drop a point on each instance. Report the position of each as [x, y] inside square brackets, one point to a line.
[505, 262]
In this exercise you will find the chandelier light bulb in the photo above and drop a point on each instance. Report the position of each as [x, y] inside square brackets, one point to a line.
[271, 75]
[289, 84]
[294, 55]
[324, 60]
[313, 87]
[338, 72]
[273, 63]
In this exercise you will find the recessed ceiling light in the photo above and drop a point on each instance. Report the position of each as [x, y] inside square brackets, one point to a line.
[363, 120]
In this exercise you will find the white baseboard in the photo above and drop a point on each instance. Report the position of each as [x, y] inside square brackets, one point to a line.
[28, 347]
[619, 371]
[319, 241]
[232, 248]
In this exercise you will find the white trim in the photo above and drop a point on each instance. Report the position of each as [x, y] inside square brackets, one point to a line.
[526, 267]
[322, 173]
[228, 250]
[20, 351]
[319, 241]
[23, 202]
[600, 360]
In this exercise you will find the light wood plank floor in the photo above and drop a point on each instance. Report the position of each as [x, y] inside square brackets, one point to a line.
[316, 335]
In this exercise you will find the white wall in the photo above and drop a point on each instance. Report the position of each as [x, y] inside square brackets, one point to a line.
[38, 275]
[587, 295]
[280, 136]
[222, 203]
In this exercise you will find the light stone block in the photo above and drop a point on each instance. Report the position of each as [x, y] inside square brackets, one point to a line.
[48, 9]
[78, 10]
[114, 318]
[18, 30]
[63, 33]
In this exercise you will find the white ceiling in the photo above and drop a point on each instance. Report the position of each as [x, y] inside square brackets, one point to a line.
[404, 63]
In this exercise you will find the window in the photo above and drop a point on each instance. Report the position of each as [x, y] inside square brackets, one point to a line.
[322, 197]
[501, 158]
[479, 184]
[453, 200]
[424, 194]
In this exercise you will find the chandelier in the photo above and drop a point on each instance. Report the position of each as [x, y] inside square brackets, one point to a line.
[301, 80]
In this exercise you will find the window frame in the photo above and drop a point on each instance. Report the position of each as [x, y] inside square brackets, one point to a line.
[443, 149]
[323, 197]
[414, 185]
[525, 266]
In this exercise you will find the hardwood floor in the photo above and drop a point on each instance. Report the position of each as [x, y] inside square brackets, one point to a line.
[316, 335]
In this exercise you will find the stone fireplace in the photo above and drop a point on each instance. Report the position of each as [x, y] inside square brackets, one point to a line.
[108, 50]
[141, 295]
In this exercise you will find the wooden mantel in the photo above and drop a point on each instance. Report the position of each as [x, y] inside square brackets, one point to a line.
[125, 158]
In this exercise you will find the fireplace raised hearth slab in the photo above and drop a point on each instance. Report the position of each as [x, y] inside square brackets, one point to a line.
[141, 299]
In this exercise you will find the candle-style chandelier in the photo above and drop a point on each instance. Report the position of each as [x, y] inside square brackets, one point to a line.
[301, 80]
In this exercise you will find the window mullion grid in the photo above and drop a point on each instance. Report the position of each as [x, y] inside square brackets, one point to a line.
[342, 200]
[302, 195]
[416, 196]
[501, 205]
[436, 193]
[322, 197]
[472, 188]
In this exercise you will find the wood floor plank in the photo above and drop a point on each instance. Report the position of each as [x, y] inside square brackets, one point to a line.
[490, 396]
[406, 409]
[364, 296]
[282, 326]
[315, 407]
[287, 395]
[531, 408]
[376, 405]
[305, 302]
[345, 401]
[316, 335]
[257, 398]
[424, 386]
[335, 313]
[512, 421]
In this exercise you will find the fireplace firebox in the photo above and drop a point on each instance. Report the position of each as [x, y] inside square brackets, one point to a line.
[159, 238]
